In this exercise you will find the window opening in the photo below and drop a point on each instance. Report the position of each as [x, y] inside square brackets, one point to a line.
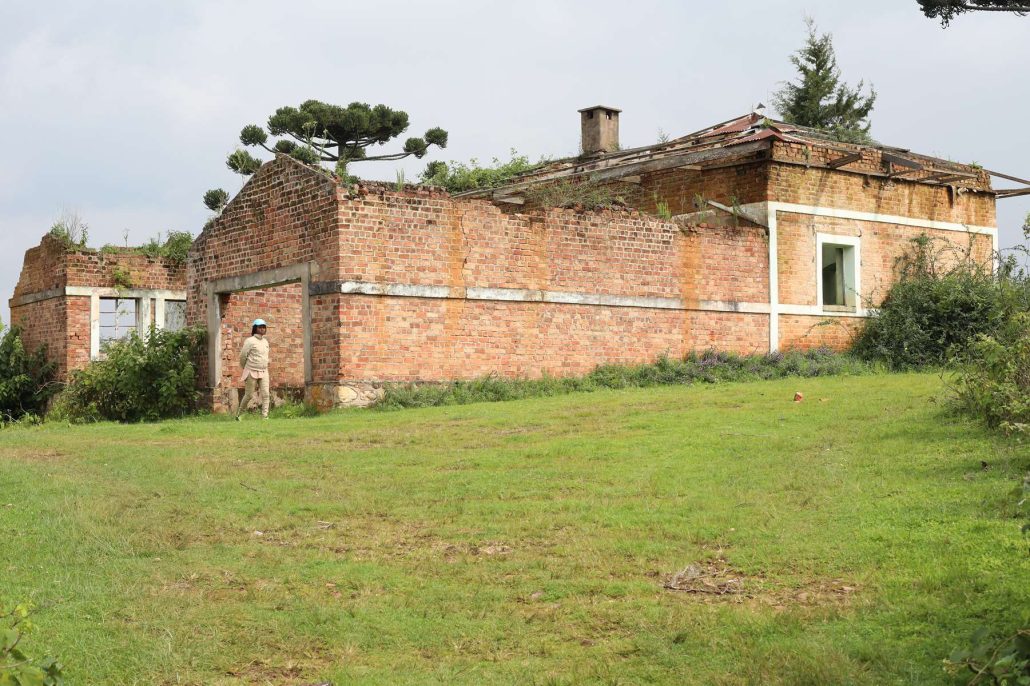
[175, 315]
[838, 277]
[117, 318]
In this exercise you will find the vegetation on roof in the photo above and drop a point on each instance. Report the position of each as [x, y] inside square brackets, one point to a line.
[458, 177]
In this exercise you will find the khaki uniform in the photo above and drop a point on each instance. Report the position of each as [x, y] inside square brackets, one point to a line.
[254, 362]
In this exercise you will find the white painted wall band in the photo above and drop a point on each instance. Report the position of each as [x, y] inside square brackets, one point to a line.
[541, 296]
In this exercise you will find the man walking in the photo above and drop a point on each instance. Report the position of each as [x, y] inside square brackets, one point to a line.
[254, 362]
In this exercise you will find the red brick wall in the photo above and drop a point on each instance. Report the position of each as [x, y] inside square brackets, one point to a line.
[45, 323]
[806, 332]
[680, 188]
[280, 306]
[285, 215]
[794, 183]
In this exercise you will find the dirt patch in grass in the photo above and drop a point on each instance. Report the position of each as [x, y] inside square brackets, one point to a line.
[44, 455]
[710, 577]
[715, 580]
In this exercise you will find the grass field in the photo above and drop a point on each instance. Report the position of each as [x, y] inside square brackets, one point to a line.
[853, 538]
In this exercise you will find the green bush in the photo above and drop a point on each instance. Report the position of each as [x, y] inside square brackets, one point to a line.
[26, 379]
[939, 305]
[459, 176]
[141, 378]
[993, 376]
[175, 249]
[707, 367]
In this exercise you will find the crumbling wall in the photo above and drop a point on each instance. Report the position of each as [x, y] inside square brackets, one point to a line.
[286, 215]
[49, 315]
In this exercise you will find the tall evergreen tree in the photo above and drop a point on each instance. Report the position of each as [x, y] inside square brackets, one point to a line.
[819, 98]
[949, 9]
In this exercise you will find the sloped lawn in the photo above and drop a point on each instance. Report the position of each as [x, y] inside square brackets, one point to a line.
[691, 535]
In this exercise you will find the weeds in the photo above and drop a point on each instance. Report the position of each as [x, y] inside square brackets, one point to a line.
[706, 367]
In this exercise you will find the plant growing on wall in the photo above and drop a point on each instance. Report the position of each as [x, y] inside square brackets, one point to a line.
[175, 248]
[70, 230]
[121, 277]
[215, 200]
[318, 132]
[819, 98]
[461, 176]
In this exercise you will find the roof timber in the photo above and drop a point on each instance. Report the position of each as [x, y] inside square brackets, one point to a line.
[597, 171]
[751, 139]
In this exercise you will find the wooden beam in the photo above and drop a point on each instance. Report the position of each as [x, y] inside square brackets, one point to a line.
[847, 159]
[900, 161]
[678, 160]
[1008, 178]
[1013, 192]
[741, 213]
[950, 177]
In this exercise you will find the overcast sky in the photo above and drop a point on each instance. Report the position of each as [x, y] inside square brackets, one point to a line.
[124, 110]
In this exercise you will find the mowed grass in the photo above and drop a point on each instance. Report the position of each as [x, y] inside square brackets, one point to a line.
[526, 542]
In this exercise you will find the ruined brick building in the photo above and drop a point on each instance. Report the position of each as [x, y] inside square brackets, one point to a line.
[751, 236]
[73, 299]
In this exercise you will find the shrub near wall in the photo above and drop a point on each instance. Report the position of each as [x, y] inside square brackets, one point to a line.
[26, 378]
[141, 378]
[940, 303]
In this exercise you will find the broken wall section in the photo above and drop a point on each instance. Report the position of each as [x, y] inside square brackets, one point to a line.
[58, 296]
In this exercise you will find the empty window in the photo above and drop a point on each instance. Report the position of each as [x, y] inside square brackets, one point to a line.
[117, 318]
[837, 271]
[175, 315]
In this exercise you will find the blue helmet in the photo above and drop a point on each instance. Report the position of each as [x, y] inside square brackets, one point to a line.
[259, 322]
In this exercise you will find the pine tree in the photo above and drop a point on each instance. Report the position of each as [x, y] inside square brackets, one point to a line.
[319, 132]
[819, 98]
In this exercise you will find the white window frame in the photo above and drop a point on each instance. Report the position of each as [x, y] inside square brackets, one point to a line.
[853, 242]
[137, 311]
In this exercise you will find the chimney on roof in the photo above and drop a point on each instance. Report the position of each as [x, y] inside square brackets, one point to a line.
[599, 129]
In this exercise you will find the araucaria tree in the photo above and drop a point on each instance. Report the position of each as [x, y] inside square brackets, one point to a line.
[819, 98]
[947, 10]
[317, 132]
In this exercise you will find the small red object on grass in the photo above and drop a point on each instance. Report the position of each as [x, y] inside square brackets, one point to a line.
[798, 397]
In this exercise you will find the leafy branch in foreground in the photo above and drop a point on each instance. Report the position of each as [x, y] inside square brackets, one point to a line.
[16, 667]
[1002, 663]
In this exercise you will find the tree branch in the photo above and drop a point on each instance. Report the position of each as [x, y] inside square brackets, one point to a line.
[1018, 9]
[392, 156]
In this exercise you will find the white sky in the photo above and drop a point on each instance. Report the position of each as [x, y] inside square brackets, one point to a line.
[124, 110]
